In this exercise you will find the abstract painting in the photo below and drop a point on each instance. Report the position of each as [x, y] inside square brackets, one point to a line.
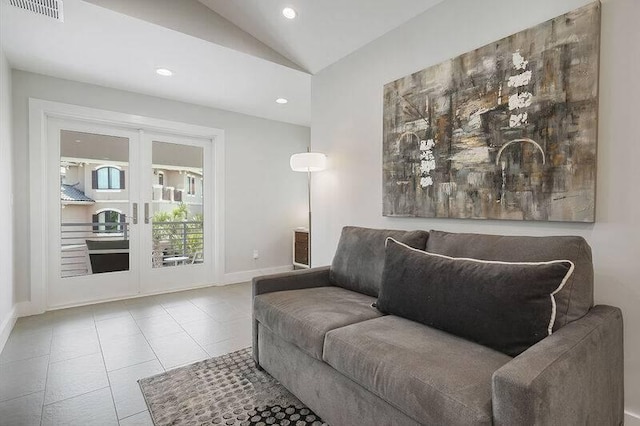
[507, 131]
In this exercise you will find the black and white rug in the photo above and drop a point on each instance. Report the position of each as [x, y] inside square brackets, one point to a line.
[227, 390]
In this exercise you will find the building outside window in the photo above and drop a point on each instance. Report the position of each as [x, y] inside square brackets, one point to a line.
[108, 177]
[191, 185]
[108, 221]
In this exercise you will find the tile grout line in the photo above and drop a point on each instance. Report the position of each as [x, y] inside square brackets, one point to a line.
[21, 396]
[74, 357]
[150, 347]
[117, 369]
[104, 363]
[139, 412]
[133, 365]
[46, 378]
[217, 321]
[188, 334]
[48, 354]
[25, 359]
[76, 396]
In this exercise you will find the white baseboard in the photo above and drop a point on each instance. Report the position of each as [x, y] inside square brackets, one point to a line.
[631, 419]
[6, 326]
[244, 276]
[25, 309]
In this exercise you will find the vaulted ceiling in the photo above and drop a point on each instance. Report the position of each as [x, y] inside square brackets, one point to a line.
[236, 55]
[324, 31]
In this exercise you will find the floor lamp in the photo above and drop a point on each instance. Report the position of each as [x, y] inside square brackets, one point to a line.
[308, 162]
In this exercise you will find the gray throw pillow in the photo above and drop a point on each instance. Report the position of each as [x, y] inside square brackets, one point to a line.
[359, 259]
[507, 306]
[576, 297]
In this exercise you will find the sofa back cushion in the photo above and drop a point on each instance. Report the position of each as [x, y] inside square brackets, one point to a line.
[576, 297]
[507, 306]
[359, 259]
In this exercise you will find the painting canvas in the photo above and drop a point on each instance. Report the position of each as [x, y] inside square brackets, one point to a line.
[507, 131]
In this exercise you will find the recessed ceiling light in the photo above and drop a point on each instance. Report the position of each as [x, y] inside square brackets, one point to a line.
[289, 13]
[281, 101]
[78, 141]
[164, 72]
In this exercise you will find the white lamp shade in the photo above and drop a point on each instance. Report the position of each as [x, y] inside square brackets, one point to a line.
[308, 162]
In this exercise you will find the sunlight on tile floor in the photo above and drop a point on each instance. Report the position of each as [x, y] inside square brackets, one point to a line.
[80, 366]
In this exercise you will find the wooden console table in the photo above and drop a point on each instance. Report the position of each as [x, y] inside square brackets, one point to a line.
[301, 248]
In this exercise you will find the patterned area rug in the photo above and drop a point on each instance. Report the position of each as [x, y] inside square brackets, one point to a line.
[227, 390]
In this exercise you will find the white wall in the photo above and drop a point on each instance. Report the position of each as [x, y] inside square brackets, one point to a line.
[347, 126]
[263, 195]
[7, 299]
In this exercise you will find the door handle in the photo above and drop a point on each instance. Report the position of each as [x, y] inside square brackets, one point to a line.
[146, 213]
[135, 213]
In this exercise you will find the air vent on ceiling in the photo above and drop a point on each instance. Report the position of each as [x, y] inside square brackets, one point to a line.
[50, 8]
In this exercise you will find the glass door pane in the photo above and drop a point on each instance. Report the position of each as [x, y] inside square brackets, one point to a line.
[94, 204]
[177, 205]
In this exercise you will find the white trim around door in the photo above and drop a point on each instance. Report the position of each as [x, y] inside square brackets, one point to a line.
[39, 113]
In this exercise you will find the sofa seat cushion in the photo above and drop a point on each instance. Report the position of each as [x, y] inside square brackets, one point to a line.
[303, 317]
[432, 376]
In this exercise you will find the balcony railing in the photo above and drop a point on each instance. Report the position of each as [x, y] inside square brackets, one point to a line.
[182, 240]
[174, 243]
[74, 254]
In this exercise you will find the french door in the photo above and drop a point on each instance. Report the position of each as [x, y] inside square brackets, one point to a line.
[176, 212]
[129, 212]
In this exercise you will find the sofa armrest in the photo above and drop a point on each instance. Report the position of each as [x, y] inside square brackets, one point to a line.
[294, 280]
[574, 376]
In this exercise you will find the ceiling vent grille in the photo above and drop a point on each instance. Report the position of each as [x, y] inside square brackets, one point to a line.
[50, 8]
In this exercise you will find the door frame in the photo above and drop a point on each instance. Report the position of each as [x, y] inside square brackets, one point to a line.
[39, 113]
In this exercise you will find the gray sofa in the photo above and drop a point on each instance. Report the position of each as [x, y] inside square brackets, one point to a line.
[318, 333]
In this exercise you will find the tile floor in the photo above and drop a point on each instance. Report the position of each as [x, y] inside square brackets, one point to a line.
[80, 366]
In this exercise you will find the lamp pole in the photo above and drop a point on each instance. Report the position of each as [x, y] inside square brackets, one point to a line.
[308, 162]
[309, 200]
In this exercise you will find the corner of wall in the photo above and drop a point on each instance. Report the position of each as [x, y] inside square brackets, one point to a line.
[244, 276]
[7, 285]
[6, 326]
[631, 419]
